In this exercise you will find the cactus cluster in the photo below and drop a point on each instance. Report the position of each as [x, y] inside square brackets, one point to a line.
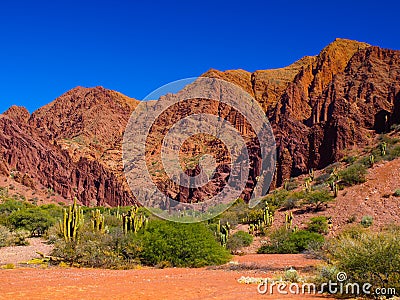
[133, 221]
[260, 224]
[97, 221]
[72, 221]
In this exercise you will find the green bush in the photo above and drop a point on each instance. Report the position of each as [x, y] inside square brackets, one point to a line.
[239, 240]
[31, 219]
[396, 193]
[318, 224]
[367, 221]
[286, 241]
[318, 198]
[183, 245]
[370, 257]
[353, 174]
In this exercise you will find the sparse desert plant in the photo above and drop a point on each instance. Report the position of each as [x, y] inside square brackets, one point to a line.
[239, 240]
[396, 193]
[353, 174]
[291, 275]
[5, 236]
[367, 221]
[318, 224]
[369, 257]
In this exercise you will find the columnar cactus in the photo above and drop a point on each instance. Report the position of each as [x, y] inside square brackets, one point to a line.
[223, 231]
[311, 173]
[97, 221]
[288, 220]
[133, 221]
[383, 147]
[72, 221]
[307, 184]
[371, 160]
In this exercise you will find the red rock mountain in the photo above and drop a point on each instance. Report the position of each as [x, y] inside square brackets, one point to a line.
[319, 107]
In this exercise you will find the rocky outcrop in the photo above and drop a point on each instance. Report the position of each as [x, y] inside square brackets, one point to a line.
[34, 153]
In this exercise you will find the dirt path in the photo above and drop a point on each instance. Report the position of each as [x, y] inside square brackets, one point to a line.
[143, 284]
[21, 254]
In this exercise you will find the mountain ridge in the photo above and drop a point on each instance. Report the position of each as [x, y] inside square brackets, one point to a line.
[319, 107]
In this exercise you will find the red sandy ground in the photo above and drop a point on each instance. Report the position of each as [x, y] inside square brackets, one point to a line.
[173, 283]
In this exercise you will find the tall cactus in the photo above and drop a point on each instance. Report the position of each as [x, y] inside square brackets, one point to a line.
[288, 220]
[371, 160]
[383, 147]
[223, 232]
[97, 221]
[72, 221]
[133, 221]
[312, 174]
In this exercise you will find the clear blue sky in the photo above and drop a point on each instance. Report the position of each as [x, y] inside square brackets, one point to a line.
[49, 47]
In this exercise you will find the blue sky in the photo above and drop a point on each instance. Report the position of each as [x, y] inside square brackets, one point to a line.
[49, 47]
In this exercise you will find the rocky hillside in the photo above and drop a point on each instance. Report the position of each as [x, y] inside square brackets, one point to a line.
[319, 107]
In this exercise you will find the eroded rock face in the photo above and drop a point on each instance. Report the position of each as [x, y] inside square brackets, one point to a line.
[33, 145]
[335, 101]
[318, 107]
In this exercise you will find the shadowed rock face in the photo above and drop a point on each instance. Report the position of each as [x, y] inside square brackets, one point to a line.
[318, 107]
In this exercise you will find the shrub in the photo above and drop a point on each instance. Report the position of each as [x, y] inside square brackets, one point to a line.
[366, 221]
[183, 245]
[5, 236]
[292, 200]
[286, 241]
[396, 193]
[370, 257]
[291, 275]
[318, 224]
[319, 197]
[239, 240]
[31, 219]
[19, 238]
[98, 250]
[353, 174]
[276, 198]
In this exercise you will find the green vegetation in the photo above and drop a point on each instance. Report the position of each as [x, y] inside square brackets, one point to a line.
[354, 174]
[285, 241]
[369, 257]
[396, 193]
[318, 198]
[182, 245]
[239, 240]
[318, 224]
